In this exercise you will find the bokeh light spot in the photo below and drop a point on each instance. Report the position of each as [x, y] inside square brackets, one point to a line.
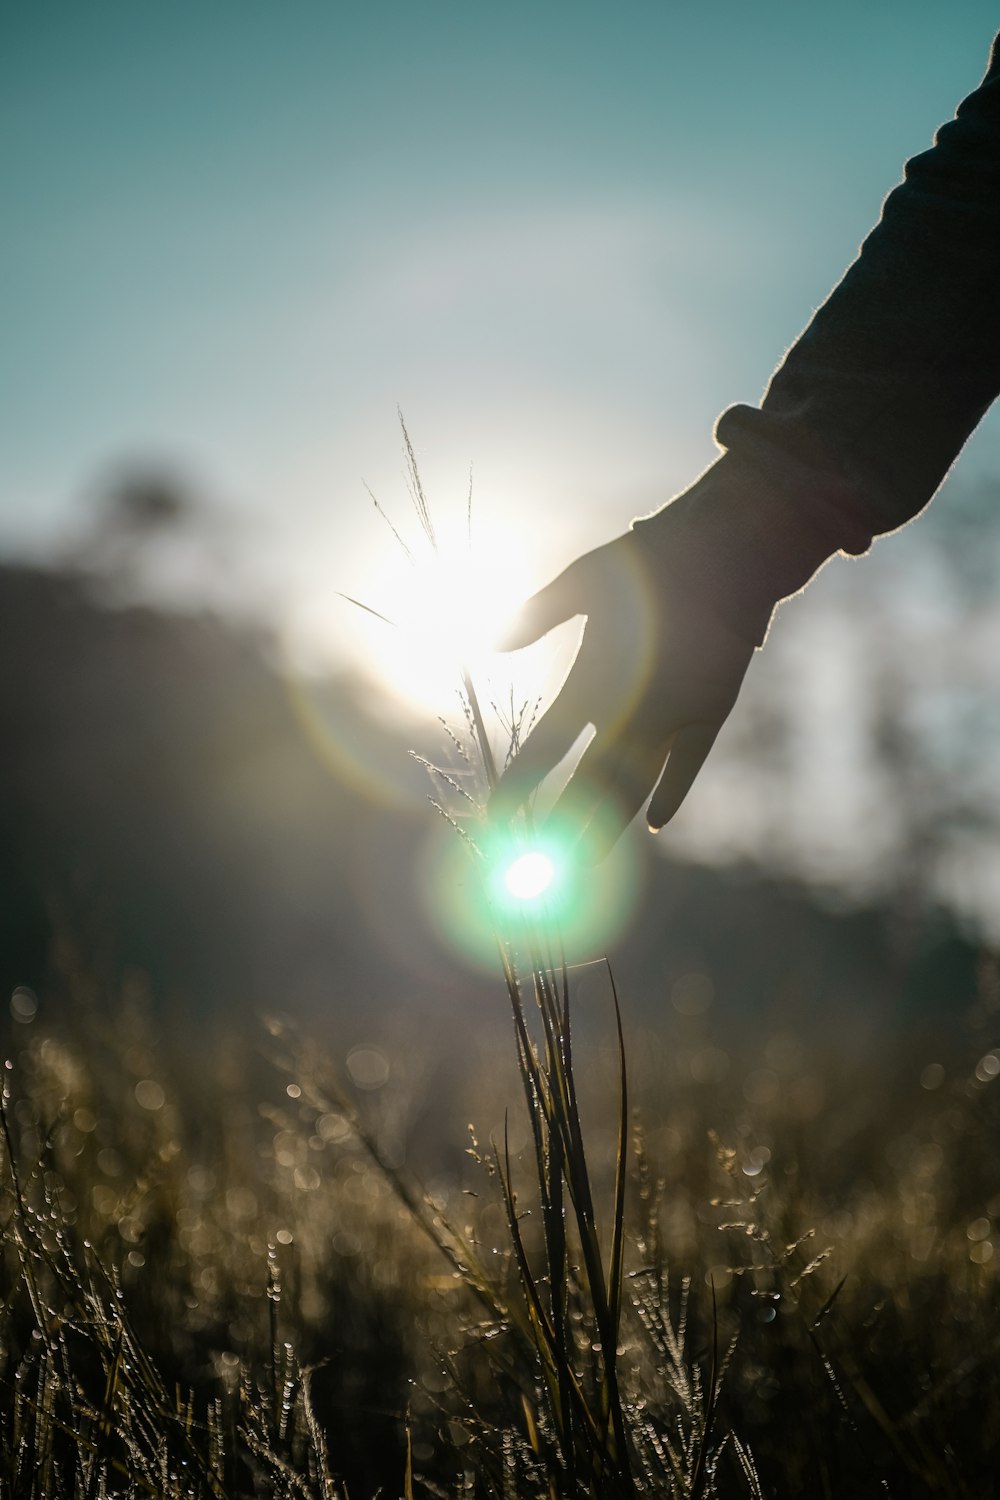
[368, 1067]
[149, 1094]
[23, 1005]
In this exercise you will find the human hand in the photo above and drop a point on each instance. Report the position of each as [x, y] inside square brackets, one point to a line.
[656, 674]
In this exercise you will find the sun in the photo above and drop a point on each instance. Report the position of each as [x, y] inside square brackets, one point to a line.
[452, 609]
[432, 616]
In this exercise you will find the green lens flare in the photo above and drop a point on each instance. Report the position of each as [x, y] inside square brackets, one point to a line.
[521, 877]
[530, 875]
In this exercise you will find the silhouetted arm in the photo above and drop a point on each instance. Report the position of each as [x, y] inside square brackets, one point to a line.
[859, 426]
[873, 402]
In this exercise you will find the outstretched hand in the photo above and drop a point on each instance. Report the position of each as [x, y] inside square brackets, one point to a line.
[656, 675]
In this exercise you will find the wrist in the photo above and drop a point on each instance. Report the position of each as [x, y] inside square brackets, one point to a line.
[751, 531]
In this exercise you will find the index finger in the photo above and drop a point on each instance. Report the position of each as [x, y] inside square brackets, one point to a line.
[614, 778]
[688, 754]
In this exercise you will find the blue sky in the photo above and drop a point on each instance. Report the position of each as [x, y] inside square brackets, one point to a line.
[562, 237]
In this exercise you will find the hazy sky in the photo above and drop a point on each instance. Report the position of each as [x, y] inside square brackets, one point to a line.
[562, 237]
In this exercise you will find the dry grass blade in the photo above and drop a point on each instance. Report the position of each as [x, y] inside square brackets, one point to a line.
[408, 1475]
[699, 1477]
[416, 485]
[617, 1266]
[107, 1413]
[384, 516]
[358, 604]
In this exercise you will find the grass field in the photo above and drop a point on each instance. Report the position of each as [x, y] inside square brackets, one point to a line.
[222, 1275]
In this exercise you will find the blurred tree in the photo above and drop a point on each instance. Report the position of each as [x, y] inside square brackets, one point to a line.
[137, 507]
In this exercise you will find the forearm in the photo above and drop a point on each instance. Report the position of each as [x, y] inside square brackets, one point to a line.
[873, 402]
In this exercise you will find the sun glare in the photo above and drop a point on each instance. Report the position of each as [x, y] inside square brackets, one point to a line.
[529, 876]
[453, 608]
[442, 613]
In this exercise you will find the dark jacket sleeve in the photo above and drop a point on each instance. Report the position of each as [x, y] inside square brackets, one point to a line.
[871, 405]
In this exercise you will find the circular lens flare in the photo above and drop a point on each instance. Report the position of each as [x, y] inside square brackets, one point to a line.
[530, 876]
[525, 887]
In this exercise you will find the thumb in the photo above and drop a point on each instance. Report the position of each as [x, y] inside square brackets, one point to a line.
[559, 601]
[688, 754]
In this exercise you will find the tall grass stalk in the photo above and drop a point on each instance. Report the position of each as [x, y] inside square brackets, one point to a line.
[586, 1438]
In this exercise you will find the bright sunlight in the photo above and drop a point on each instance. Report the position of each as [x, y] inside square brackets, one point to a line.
[529, 876]
[430, 614]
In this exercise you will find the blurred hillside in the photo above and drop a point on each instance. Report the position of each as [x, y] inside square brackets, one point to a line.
[165, 805]
[160, 809]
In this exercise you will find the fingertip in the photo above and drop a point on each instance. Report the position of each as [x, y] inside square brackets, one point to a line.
[687, 756]
[551, 606]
